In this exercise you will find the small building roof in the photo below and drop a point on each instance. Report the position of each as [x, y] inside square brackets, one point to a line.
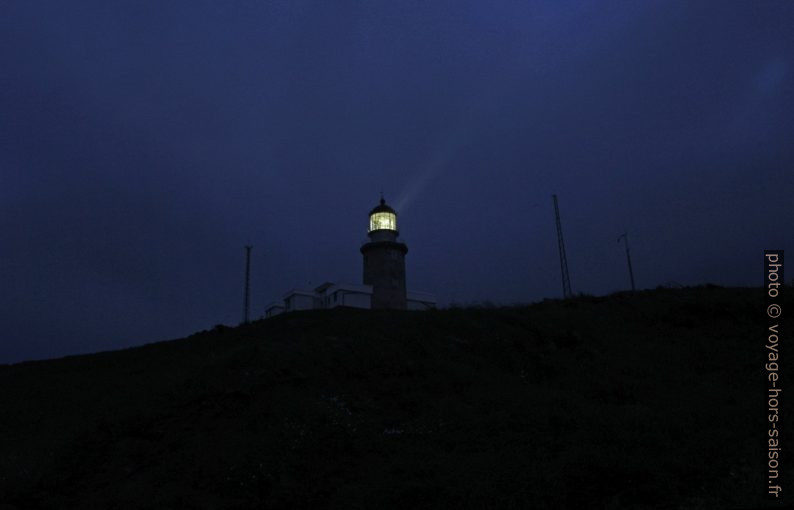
[300, 292]
[351, 288]
[320, 289]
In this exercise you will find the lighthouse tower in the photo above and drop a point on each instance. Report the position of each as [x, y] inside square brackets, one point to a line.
[384, 259]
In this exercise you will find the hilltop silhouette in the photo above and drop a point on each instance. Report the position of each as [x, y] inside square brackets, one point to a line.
[646, 400]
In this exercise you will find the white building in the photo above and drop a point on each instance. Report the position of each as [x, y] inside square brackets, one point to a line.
[274, 308]
[300, 299]
[333, 295]
[337, 295]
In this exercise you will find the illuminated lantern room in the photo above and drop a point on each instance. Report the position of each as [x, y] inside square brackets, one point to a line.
[382, 217]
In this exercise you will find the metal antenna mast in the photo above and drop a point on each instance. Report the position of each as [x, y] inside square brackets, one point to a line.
[625, 237]
[566, 280]
[246, 302]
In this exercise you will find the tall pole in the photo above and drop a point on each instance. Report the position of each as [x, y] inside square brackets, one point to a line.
[246, 303]
[566, 280]
[625, 237]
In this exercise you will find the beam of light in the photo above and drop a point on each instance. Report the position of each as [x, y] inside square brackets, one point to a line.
[432, 168]
[772, 77]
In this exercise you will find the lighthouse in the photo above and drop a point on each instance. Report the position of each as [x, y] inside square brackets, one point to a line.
[384, 259]
[384, 276]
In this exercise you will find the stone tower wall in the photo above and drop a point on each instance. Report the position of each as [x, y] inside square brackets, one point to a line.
[384, 269]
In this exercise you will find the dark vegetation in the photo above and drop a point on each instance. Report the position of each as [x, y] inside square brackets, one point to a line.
[653, 400]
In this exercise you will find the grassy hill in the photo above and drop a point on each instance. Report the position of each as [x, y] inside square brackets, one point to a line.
[653, 400]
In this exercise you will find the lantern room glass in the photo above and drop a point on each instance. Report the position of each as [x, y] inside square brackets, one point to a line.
[383, 221]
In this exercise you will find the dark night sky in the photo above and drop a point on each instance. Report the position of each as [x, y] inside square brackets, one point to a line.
[142, 144]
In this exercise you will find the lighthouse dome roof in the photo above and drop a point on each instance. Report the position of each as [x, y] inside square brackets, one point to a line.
[382, 207]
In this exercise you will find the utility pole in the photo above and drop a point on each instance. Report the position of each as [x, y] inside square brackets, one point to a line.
[566, 280]
[625, 237]
[246, 302]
